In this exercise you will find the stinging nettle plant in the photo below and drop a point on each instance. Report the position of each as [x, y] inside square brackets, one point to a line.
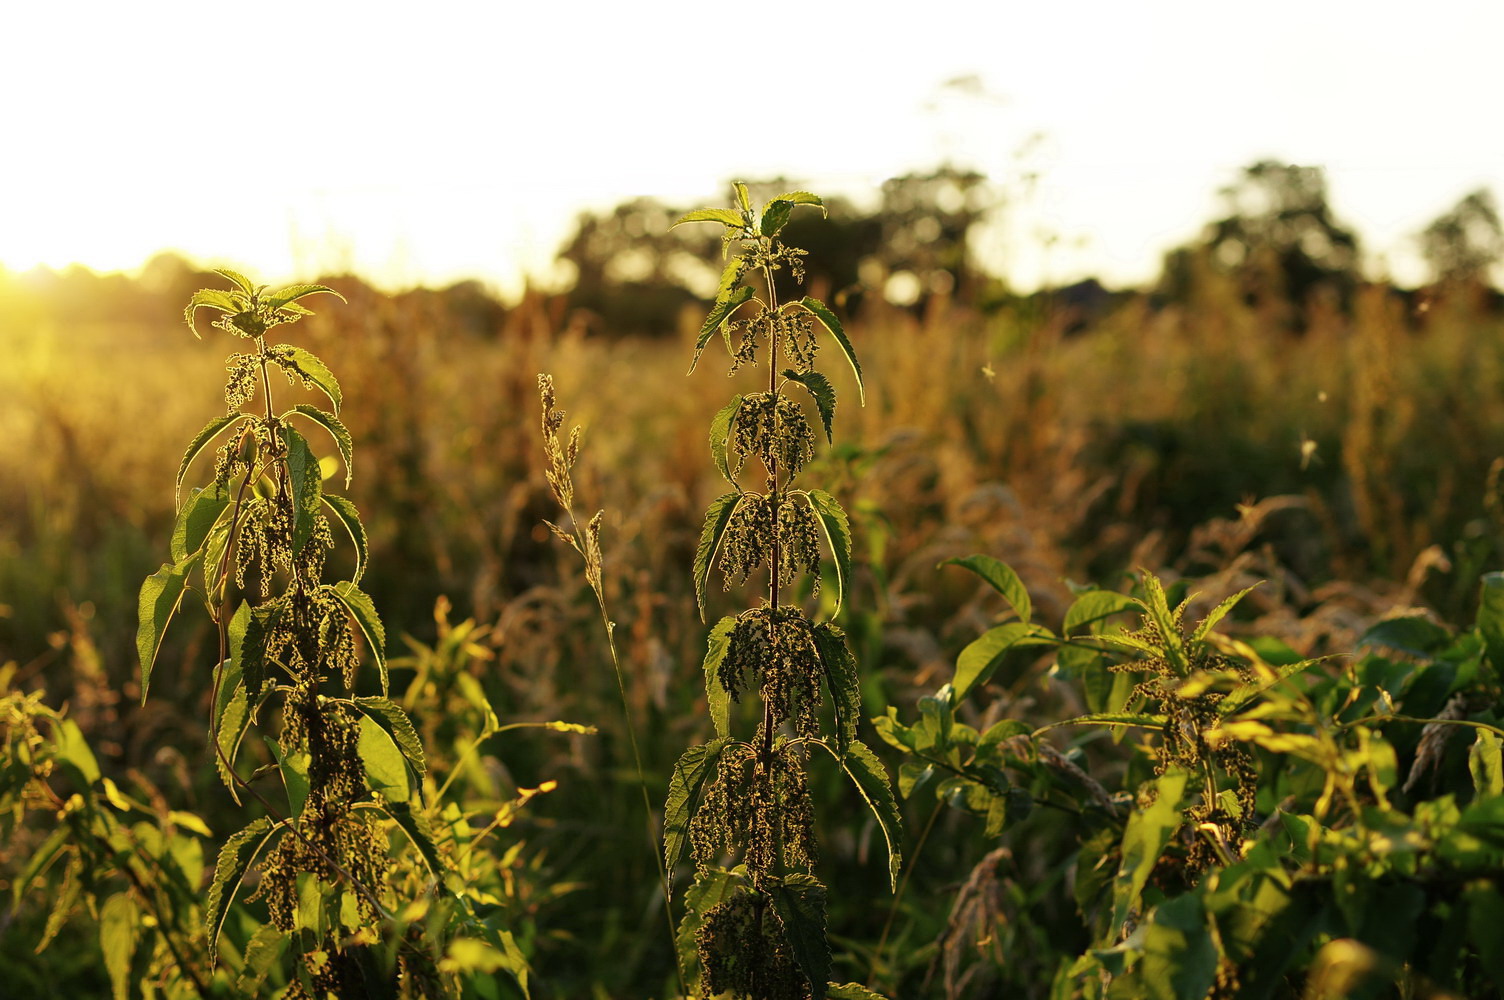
[759, 928]
[252, 544]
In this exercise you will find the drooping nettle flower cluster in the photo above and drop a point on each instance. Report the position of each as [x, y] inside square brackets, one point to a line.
[759, 928]
[252, 543]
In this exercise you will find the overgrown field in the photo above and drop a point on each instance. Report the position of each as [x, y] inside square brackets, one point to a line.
[1316, 823]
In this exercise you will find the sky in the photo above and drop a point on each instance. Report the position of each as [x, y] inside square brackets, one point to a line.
[453, 140]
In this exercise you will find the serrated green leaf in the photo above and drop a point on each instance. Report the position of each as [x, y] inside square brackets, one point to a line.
[717, 516]
[727, 217]
[261, 954]
[196, 519]
[983, 654]
[363, 612]
[1244, 694]
[850, 991]
[719, 313]
[690, 772]
[1156, 605]
[720, 430]
[63, 900]
[1218, 613]
[235, 859]
[1130, 719]
[418, 831]
[201, 441]
[211, 298]
[254, 648]
[1485, 761]
[161, 596]
[717, 644]
[283, 297]
[828, 319]
[119, 927]
[871, 779]
[309, 368]
[1093, 606]
[336, 430]
[729, 276]
[799, 902]
[837, 529]
[73, 750]
[231, 675]
[385, 771]
[232, 725]
[775, 215]
[306, 478]
[742, 198]
[346, 513]
[821, 391]
[237, 279]
[711, 888]
[400, 727]
[802, 198]
[293, 766]
[1144, 839]
[841, 678]
[1001, 578]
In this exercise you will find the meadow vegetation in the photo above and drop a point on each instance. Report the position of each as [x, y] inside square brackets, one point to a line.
[1280, 810]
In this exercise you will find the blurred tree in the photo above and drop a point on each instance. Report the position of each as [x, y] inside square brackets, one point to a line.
[1463, 244]
[1279, 238]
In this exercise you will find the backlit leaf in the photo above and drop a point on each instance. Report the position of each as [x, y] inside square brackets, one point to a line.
[161, 596]
[716, 696]
[799, 902]
[336, 430]
[303, 471]
[363, 611]
[284, 296]
[235, 859]
[418, 831]
[871, 779]
[719, 313]
[119, 927]
[309, 368]
[775, 215]
[239, 280]
[690, 772]
[983, 654]
[1144, 839]
[802, 198]
[211, 298]
[401, 728]
[201, 440]
[730, 218]
[828, 320]
[1218, 613]
[293, 766]
[837, 529]
[720, 430]
[717, 516]
[1093, 606]
[385, 771]
[73, 750]
[841, 679]
[1001, 578]
[712, 887]
[823, 393]
[196, 518]
[346, 513]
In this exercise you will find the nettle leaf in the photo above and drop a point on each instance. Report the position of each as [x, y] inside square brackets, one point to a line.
[284, 297]
[303, 471]
[293, 766]
[690, 772]
[837, 529]
[231, 705]
[720, 431]
[399, 726]
[727, 217]
[983, 654]
[346, 513]
[201, 440]
[717, 516]
[719, 313]
[1128, 719]
[418, 831]
[729, 276]
[823, 393]
[712, 887]
[827, 319]
[851, 991]
[1218, 613]
[262, 952]
[1093, 606]
[235, 859]
[800, 904]
[775, 215]
[73, 750]
[196, 519]
[802, 198]
[841, 679]
[742, 197]
[385, 771]
[363, 612]
[253, 650]
[1001, 578]
[211, 298]
[119, 930]
[716, 695]
[235, 277]
[336, 430]
[871, 779]
[161, 596]
[308, 367]
[1144, 839]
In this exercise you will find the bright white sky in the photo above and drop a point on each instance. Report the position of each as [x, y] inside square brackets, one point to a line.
[425, 143]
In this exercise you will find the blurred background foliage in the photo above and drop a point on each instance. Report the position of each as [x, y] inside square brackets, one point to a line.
[1266, 410]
